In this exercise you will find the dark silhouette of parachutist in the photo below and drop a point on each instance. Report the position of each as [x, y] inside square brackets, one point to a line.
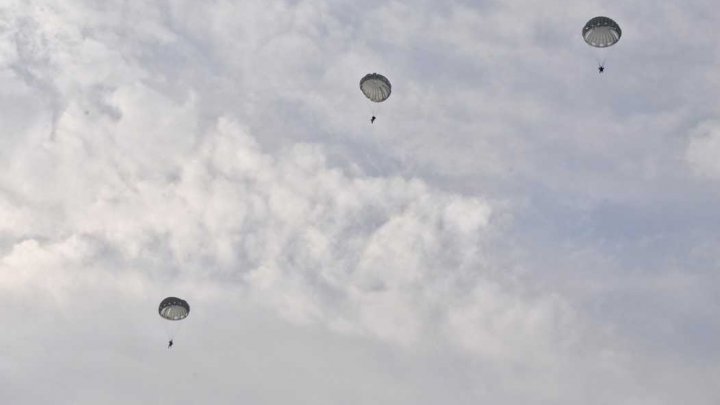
[601, 69]
[170, 343]
[372, 119]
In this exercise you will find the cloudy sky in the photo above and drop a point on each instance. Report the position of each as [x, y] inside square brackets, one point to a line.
[514, 228]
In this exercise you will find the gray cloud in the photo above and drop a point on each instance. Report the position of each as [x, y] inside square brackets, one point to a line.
[703, 149]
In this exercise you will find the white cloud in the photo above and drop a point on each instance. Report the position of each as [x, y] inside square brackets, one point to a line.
[512, 229]
[287, 225]
[388, 258]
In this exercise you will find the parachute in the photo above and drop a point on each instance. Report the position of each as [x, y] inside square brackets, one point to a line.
[601, 32]
[376, 88]
[174, 309]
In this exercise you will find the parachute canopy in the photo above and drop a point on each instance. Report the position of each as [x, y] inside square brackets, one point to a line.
[174, 309]
[376, 87]
[601, 32]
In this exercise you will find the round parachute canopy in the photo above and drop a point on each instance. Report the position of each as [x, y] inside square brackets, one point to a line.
[601, 32]
[174, 309]
[376, 87]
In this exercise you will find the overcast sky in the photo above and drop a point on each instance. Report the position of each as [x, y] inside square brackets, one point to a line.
[514, 228]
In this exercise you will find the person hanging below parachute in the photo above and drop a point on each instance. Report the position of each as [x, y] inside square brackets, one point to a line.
[173, 309]
[601, 32]
[376, 88]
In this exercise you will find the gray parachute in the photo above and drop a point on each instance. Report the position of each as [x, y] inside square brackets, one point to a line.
[601, 32]
[375, 87]
[174, 309]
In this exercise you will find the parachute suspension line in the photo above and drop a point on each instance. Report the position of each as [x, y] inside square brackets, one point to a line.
[371, 110]
[600, 56]
[170, 331]
[173, 328]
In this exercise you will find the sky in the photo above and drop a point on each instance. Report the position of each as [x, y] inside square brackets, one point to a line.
[514, 228]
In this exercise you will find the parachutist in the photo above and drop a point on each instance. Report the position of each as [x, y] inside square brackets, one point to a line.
[170, 343]
[372, 120]
[601, 69]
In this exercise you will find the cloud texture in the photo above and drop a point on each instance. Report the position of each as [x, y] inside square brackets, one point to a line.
[512, 229]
